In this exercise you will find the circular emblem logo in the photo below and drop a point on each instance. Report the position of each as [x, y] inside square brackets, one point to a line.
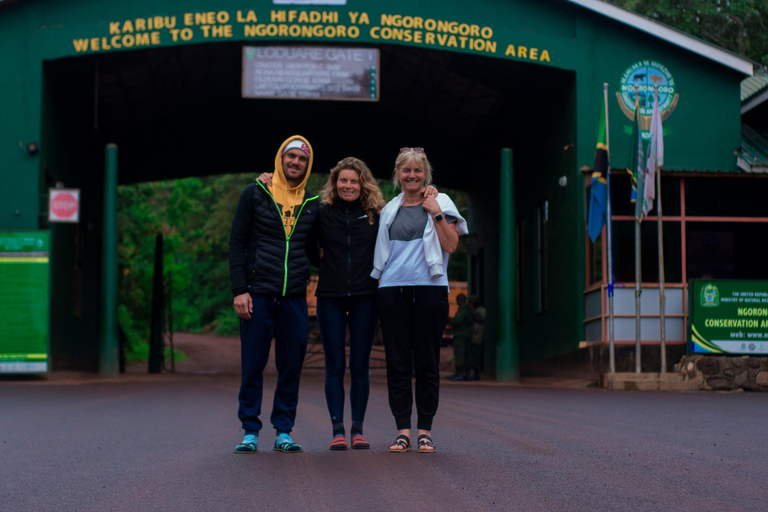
[645, 74]
[64, 205]
[710, 296]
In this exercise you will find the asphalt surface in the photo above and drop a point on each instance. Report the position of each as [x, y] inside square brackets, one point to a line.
[165, 443]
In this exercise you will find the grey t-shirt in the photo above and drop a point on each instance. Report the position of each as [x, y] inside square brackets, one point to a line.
[409, 223]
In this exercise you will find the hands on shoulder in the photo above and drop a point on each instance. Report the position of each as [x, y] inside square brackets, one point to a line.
[429, 191]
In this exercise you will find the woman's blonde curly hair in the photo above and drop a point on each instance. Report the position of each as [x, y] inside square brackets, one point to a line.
[370, 196]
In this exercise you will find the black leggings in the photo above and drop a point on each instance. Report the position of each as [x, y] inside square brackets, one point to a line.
[412, 321]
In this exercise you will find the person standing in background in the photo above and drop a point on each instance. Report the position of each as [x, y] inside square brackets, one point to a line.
[475, 353]
[462, 336]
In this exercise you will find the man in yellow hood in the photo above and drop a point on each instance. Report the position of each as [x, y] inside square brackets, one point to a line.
[293, 164]
[269, 270]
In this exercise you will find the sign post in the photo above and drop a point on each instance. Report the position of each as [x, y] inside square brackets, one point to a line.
[24, 309]
[63, 205]
[729, 317]
[311, 73]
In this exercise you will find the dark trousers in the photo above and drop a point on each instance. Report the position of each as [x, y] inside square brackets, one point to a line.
[333, 317]
[284, 319]
[468, 355]
[412, 321]
[474, 356]
[461, 352]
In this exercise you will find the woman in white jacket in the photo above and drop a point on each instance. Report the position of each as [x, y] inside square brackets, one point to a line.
[416, 237]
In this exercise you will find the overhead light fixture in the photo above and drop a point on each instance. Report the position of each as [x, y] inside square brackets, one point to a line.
[33, 148]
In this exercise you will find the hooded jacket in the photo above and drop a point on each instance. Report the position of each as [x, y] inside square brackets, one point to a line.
[269, 232]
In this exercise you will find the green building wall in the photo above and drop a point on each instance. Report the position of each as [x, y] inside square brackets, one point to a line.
[568, 48]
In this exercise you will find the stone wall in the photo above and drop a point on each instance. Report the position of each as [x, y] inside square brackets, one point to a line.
[725, 372]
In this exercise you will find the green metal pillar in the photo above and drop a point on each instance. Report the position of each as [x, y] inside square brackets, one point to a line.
[507, 354]
[108, 361]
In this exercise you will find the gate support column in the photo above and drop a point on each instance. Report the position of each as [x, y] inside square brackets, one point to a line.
[507, 353]
[108, 360]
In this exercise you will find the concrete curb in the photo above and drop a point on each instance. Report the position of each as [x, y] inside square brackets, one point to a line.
[629, 381]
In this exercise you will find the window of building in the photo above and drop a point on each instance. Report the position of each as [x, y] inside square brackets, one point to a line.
[713, 227]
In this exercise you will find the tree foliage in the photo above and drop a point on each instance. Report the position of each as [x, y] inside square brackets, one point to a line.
[736, 25]
[194, 216]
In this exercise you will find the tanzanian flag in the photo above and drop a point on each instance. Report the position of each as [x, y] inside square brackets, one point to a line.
[598, 202]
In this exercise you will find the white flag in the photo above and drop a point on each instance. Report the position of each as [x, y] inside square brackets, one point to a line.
[655, 158]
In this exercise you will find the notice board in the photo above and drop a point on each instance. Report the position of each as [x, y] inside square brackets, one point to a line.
[311, 73]
[24, 309]
[728, 316]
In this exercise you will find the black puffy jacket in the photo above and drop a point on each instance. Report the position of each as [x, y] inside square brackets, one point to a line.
[348, 241]
[262, 258]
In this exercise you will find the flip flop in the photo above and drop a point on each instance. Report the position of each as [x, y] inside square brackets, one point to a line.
[425, 444]
[340, 443]
[285, 444]
[359, 442]
[401, 440]
[249, 445]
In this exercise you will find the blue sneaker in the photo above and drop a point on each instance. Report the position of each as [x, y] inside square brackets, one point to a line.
[285, 444]
[249, 444]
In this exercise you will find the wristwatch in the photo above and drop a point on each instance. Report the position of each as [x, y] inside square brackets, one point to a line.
[439, 217]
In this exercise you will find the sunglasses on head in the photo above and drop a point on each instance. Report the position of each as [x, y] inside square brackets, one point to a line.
[415, 150]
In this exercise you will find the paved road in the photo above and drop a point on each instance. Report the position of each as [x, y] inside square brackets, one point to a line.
[165, 443]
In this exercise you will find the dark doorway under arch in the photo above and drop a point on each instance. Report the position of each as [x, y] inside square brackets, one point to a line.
[178, 112]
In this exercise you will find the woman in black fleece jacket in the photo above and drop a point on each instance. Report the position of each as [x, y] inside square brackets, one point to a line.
[346, 229]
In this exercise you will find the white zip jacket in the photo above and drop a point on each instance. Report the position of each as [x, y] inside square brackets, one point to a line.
[433, 253]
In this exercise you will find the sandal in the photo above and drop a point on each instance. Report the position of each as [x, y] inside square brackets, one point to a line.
[340, 443]
[402, 441]
[425, 444]
[359, 442]
[249, 444]
[285, 444]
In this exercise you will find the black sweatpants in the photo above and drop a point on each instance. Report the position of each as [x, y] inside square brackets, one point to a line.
[412, 321]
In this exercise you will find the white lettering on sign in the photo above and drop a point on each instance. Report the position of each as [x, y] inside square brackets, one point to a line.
[64, 205]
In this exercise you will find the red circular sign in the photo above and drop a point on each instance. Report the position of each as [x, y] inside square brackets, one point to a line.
[64, 205]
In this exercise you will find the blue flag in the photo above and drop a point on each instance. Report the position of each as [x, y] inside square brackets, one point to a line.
[598, 201]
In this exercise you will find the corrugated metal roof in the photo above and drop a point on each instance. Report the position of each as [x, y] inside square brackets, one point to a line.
[753, 85]
[753, 156]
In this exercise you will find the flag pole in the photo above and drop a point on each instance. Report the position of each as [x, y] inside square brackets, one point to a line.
[662, 293]
[611, 344]
[638, 200]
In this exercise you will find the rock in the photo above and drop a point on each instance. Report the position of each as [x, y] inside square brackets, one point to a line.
[708, 366]
[720, 383]
[762, 379]
[741, 379]
[728, 372]
[753, 362]
[738, 363]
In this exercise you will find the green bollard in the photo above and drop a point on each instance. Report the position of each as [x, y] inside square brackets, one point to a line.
[108, 360]
[507, 353]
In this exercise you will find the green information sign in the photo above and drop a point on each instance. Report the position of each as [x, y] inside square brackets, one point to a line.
[24, 301]
[729, 317]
